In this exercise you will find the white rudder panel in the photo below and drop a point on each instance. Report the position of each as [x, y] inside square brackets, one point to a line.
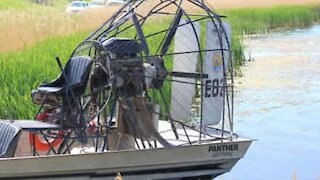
[182, 93]
[216, 67]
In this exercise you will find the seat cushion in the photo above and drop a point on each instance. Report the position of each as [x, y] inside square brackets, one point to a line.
[46, 97]
[9, 137]
[49, 90]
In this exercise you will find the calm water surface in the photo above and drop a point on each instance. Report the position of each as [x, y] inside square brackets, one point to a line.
[278, 103]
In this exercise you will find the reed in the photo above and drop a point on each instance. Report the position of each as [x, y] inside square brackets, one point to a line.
[20, 27]
[24, 69]
[263, 20]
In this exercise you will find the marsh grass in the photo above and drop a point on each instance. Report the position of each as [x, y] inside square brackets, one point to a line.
[22, 70]
[263, 20]
[19, 28]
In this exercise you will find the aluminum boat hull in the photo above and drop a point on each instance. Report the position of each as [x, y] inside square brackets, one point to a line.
[204, 160]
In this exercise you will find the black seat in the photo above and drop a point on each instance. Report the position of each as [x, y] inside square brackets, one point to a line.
[76, 71]
[9, 137]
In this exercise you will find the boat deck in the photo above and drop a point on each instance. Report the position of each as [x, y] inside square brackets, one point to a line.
[211, 156]
[186, 136]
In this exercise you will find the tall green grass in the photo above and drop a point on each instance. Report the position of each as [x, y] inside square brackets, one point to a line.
[263, 20]
[23, 70]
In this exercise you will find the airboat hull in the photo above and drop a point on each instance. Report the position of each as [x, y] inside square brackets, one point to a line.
[121, 112]
[210, 159]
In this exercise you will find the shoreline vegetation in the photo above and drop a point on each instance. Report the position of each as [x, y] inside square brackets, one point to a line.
[260, 20]
[22, 68]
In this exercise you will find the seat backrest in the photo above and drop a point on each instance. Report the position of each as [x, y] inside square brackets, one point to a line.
[77, 71]
[9, 137]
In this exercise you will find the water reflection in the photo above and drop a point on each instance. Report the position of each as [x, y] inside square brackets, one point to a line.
[278, 103]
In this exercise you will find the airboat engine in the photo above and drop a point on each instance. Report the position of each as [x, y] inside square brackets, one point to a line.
[130, 75]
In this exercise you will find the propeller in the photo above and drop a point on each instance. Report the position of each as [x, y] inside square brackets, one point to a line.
[166, 44]
[140, 35]
[172, 31]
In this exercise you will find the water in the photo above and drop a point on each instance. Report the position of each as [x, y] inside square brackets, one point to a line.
[278, 103]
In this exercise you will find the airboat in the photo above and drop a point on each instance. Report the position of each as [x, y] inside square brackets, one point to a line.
[148, 95]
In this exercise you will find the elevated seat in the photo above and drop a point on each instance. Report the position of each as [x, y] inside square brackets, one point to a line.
[76, 71]
[9, 137]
